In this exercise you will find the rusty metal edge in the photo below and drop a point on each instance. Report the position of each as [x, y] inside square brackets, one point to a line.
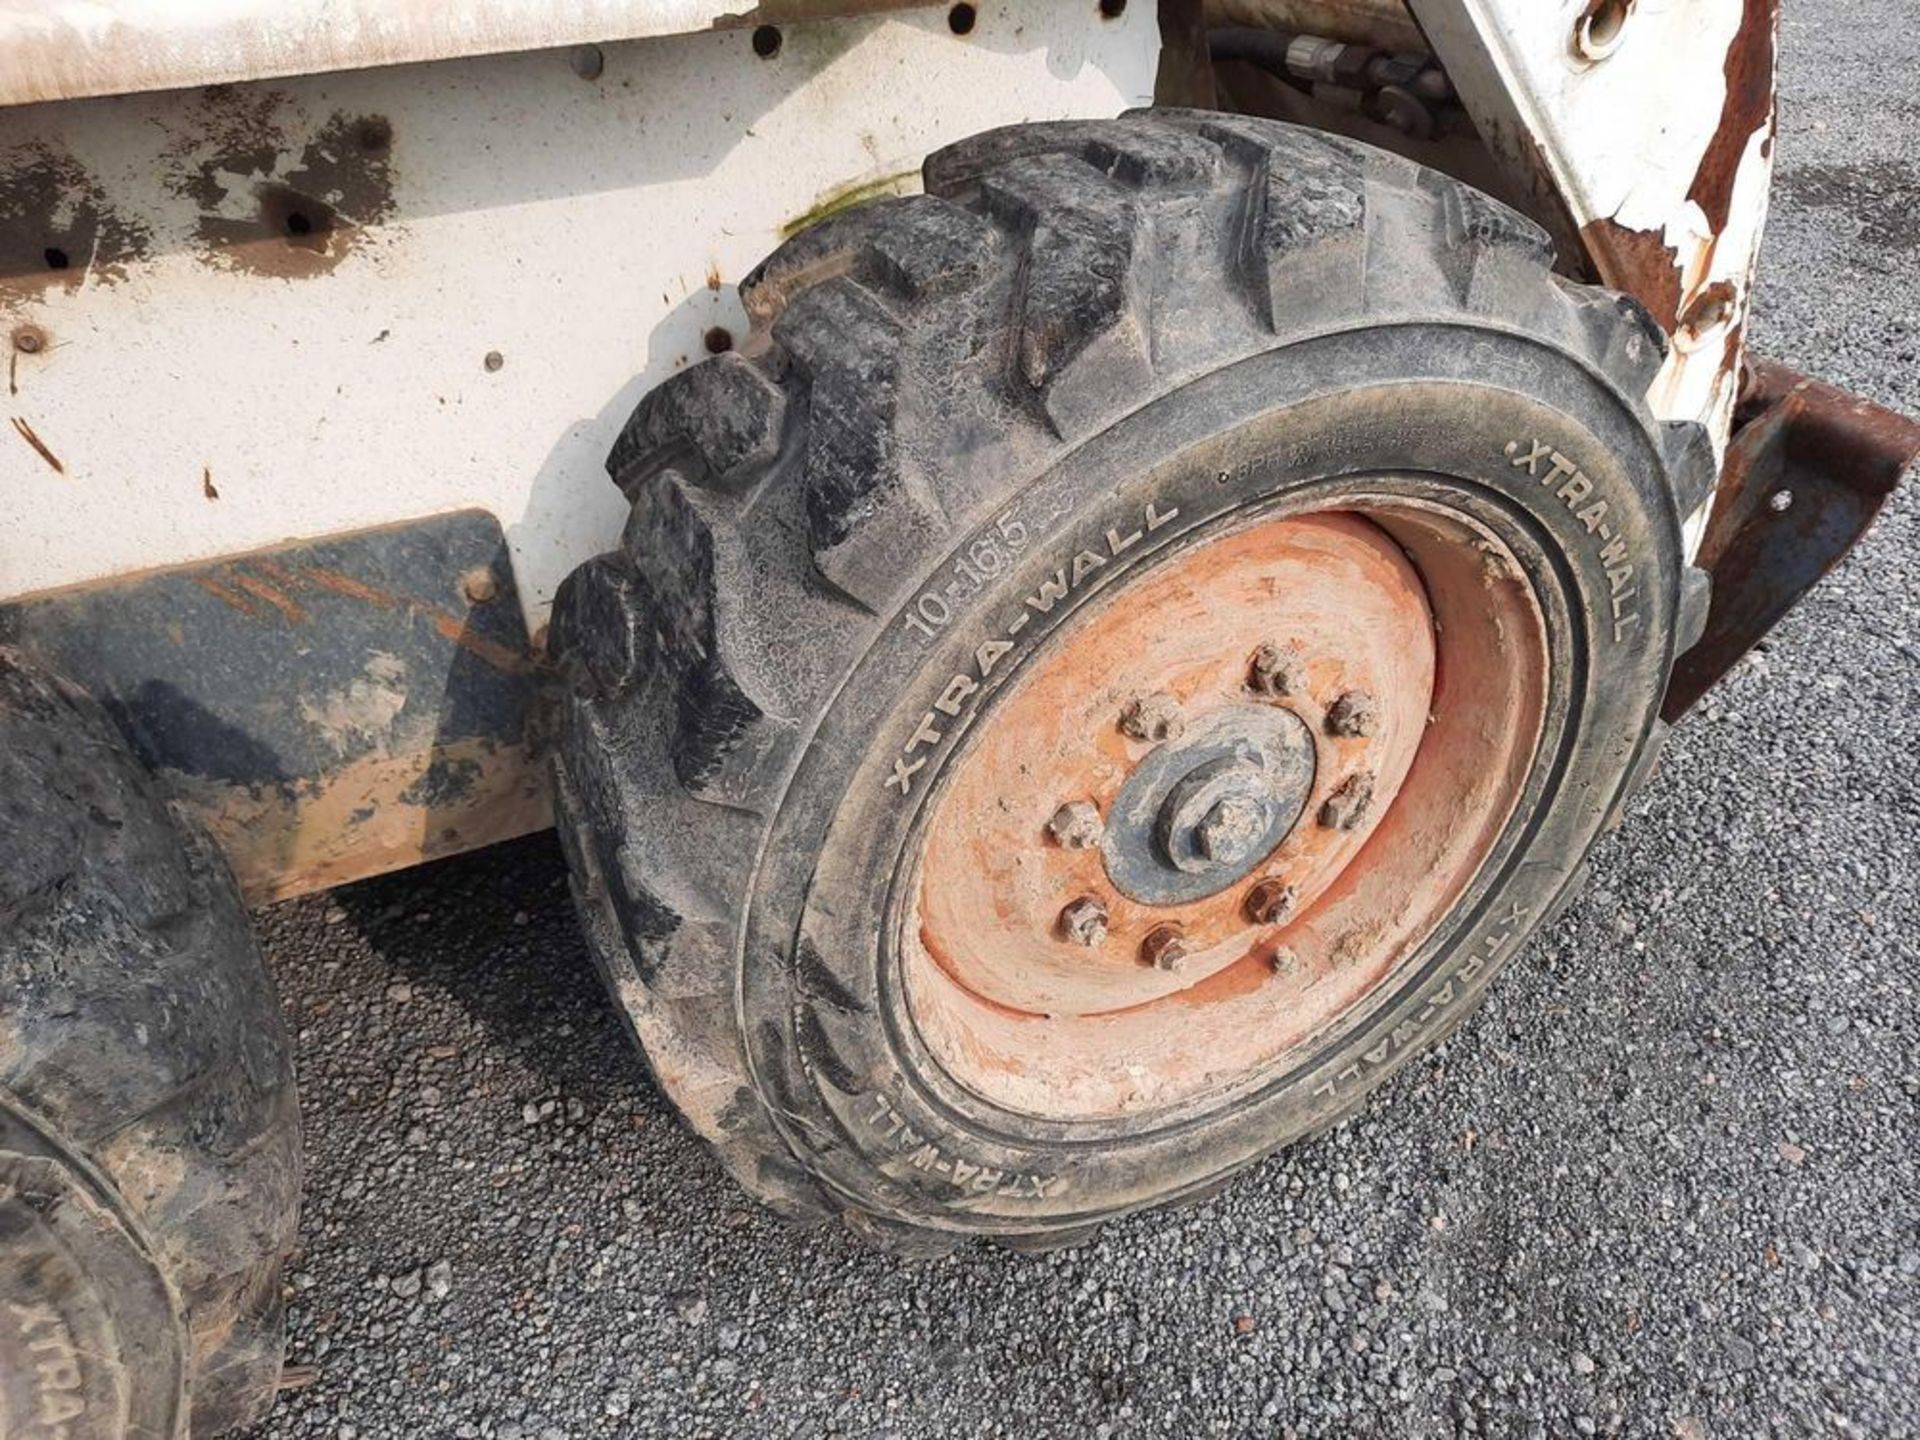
[1808, 468]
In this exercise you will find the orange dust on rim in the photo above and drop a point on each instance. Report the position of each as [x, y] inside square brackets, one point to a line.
[1213, 817]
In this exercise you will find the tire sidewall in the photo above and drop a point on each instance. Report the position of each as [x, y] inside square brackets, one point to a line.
[829, 1042]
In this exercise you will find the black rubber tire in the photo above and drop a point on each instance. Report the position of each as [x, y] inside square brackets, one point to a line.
[1176, 315]
[149, 1143]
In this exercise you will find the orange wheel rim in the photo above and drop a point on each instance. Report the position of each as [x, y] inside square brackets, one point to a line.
[1219, 809]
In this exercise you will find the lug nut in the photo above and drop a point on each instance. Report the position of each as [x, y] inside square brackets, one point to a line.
[1153, 718]
[1286, 960]
[1271, 902]
[1347, 806]
[1164, 948]
[1084, 921]
[1276, 671]
[1076, 825]
[1228, 832]
[1353, 713]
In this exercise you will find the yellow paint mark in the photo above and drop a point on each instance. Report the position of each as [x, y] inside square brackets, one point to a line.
[847, 196]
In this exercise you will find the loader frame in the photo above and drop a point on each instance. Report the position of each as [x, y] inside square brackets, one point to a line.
[320, 321]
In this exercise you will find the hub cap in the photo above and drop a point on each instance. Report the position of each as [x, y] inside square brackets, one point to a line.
[1198, 813]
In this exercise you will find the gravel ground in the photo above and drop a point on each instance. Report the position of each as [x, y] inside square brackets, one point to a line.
[1663, 1184]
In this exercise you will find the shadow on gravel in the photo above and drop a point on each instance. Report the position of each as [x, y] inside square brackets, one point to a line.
[496, 931]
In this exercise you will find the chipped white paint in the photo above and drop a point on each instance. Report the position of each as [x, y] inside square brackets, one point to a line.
[1621, 139]
[589, 233]
[64, 49]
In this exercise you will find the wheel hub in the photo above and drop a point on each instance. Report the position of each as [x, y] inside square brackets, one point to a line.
[1199, 813]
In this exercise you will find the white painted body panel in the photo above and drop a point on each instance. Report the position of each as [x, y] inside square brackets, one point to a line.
[587, 232]
[1618, 138]
[65, 49]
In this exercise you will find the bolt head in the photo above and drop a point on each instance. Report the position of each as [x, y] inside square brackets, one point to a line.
[1348, 805]
[1276, 670]
[1084, 921]
[1164, 948]
[1353, 713]
[1153, 718]
[479, 586]
[1286, 960]
[1271, 902]
[1228, 832]
[1076, 825]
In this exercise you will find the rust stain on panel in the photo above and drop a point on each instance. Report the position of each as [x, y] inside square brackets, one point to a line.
[506, 661]
[1710, 306]
[1748, 109]
[502, 658]
[226, 596]
[1639, 262]
[346, 585]
[288, 607]
[27, 434]
[449, 626]
[1658, 274]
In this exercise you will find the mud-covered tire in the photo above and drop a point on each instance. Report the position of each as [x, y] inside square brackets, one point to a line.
[149, 1144]
[1085, 339]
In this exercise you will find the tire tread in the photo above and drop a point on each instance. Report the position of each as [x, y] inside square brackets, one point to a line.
[1063, 274]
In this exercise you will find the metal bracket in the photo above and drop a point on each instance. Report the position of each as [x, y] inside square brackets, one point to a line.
[1808, 468]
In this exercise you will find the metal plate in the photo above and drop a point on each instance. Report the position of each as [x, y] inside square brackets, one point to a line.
[57, 50]
[1808, 470]
[1642, 133]
[329, 710]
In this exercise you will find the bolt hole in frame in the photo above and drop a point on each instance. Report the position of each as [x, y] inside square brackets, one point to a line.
[1597, 34]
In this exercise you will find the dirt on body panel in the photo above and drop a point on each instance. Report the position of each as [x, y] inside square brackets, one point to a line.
[59, 227]
[266, 211]
[251, 185]
[380, 813]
